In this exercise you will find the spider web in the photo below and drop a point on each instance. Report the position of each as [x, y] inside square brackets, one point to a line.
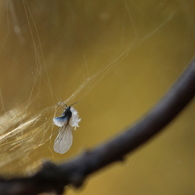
[24, 131]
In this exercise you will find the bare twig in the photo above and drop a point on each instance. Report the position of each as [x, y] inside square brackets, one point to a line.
[53, 178]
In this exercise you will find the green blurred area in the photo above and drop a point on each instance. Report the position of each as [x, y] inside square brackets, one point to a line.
[126, 54]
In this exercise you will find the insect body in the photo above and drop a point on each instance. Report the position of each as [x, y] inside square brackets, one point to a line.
[69, 119]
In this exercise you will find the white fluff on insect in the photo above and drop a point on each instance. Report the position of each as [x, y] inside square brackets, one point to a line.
[74, 120]
[66, 122]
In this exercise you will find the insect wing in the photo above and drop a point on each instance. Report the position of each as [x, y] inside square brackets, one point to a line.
[64, 139]
[60, 121]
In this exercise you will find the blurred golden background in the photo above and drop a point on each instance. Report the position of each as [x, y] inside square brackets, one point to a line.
[118, 58]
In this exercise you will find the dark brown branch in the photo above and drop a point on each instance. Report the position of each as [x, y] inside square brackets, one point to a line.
[53, 178]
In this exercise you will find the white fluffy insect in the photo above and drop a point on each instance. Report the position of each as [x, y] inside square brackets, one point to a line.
[66, 122]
